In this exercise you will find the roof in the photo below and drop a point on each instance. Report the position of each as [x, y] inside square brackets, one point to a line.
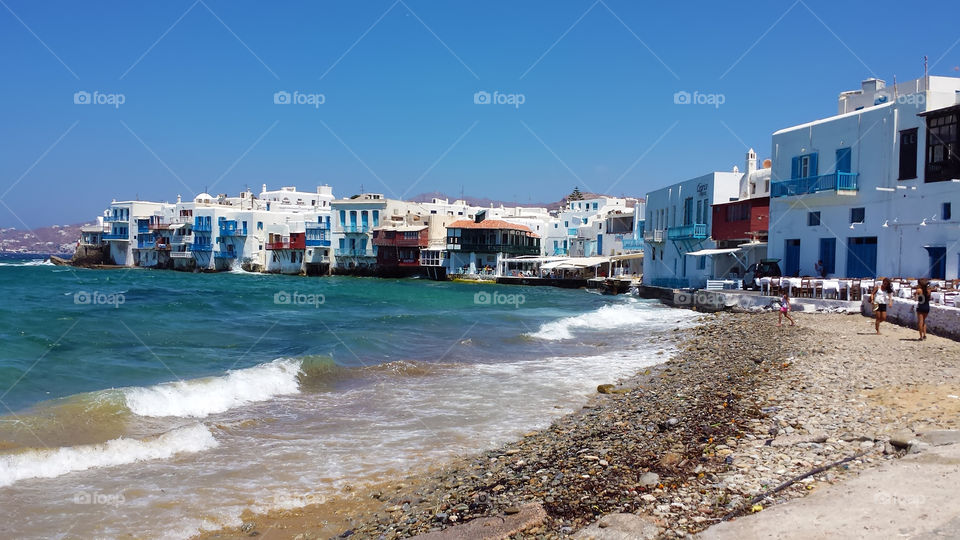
[401, 228]
[835, 117]
[703, 252]
[949, 109]
[487, 224]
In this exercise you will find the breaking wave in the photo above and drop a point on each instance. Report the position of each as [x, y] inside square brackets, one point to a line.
[634, 313]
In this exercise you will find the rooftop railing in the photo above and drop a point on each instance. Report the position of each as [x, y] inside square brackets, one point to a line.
[696, 230]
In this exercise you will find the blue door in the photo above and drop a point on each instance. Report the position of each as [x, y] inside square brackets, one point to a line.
[599, 244]
[791, 257]
[938, 262]
[843, 160]
[828, 254]
[862, 257]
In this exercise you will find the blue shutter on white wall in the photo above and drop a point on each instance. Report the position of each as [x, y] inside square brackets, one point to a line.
[795, 168]
[813, 165]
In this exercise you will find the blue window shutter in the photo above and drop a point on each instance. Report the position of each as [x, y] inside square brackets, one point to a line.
[795, 168]
[813, 165]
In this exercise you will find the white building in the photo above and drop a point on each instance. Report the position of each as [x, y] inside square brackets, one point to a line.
[678, 221]
[870, 191]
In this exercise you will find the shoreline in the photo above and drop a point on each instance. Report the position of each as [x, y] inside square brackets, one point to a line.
[669, 445]
[574, 477]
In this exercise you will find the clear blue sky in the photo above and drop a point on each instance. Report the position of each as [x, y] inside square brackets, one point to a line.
[598, 81]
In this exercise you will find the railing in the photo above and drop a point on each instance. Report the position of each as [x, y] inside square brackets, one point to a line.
[285, 245]
[352, 253]
[633, 243]
[558, 252]
[398, 241]
[202, 226]
[229, 228]
[654, 235]
[572, 231]
[146, 244]
[180, 254]
[225, 255]
[837, 181]
[697, 230]
[143, 228]
[202, 248]
[310, 225]
[496, 248]
[111, 236]
[313, 242]
[354, 228]
[114, 219]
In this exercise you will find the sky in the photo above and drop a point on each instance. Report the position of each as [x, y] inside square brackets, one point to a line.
[518, 101]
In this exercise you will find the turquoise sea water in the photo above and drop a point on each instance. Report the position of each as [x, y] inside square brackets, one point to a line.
[133, 399]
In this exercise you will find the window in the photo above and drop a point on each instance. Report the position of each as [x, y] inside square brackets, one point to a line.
[738, 212]
[943, 163]
[813, 219]
[701, 263]
[908, 154]
[857, 215]
[594, 206]
[945, 211]
[804, 166]
[259, 225]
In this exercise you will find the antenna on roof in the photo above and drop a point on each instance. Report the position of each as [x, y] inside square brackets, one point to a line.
[926, 75]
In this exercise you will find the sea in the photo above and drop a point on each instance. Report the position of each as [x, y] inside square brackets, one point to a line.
[159, 404]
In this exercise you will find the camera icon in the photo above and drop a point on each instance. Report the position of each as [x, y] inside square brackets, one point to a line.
[281, 298]
[281, 98]
[481, 98]
[482, 298]
[81, 98]
[681, 98]
[81, 298]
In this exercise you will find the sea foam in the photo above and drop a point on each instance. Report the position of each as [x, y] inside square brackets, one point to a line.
[199, 398]
[631, 313]
[50, 463]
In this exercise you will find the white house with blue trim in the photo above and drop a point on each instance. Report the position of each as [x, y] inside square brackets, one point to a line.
[871, 191]
[678, 221]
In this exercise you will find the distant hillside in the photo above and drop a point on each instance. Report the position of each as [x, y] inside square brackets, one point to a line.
[53, 239]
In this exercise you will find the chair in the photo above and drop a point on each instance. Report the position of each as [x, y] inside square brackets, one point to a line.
[775, 286]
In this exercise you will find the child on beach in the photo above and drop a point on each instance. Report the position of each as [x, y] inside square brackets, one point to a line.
[881, 295]
[785, 310]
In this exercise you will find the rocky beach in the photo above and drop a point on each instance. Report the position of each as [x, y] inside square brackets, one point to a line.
[744, 416]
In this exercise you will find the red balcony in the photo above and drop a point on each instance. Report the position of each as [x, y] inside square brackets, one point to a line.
[296, 241]
[392, 238]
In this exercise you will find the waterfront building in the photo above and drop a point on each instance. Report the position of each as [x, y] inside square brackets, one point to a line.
[870, 191]
[126, 236]
[477, 246]
[678, 221]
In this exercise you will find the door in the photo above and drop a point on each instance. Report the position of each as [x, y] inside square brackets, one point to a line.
[862, 257]
[688, 211]
[938, 262]
[599, 244]
[791, 258]
[828, 254]
[843, 160]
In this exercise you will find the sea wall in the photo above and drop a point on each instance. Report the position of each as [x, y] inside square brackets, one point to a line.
[942, 321]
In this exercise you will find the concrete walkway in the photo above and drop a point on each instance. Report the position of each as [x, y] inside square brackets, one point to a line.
[917, 496]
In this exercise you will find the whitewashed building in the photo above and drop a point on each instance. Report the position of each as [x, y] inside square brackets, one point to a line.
[678, 221]
[871, 191]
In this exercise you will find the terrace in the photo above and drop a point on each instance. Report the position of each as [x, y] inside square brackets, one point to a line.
[841, 183]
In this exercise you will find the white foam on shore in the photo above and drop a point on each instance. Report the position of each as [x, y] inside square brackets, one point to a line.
[631, 313]
[34, 262]
[51, 463]
[199, 398]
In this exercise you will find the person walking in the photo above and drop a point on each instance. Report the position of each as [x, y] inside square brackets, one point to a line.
[923, 306]
[880, 297]
[785, 310]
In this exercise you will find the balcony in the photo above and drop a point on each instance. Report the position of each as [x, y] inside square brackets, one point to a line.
[572, 231]
[114, 219]
[143, 228]
[633, 243]
[654, 236]
[315, 226]
[842, 183]
[202, 226]
[146, 244]
[287, 244]
[495, 248]
[354, 229]
[317, 242]
[112, 236]
[560, 252]
[225, 255]
[180, 254]
[352, 253]
[201, 248]
[229, 228]
[685, 232]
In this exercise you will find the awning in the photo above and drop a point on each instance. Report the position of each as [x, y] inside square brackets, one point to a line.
[706, 252]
